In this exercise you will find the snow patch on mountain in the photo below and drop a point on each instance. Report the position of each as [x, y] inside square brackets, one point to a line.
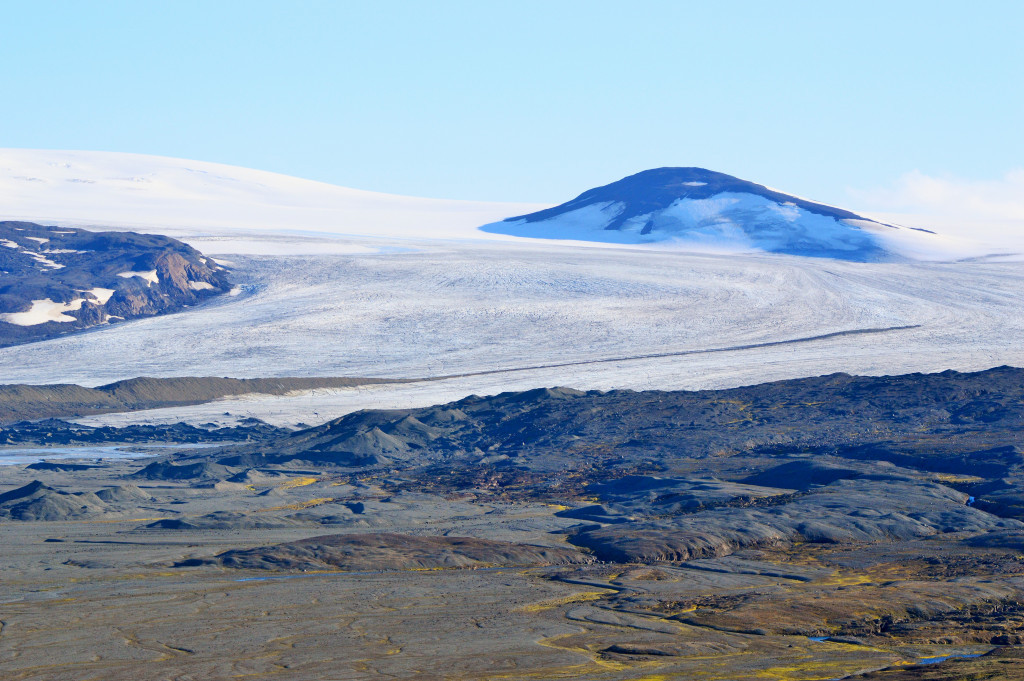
[43, 311]
[149, 276]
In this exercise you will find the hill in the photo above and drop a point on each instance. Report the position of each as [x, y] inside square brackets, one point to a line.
[694, 207]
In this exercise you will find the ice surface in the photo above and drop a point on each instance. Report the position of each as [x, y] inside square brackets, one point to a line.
[200, 286]
[439, 309]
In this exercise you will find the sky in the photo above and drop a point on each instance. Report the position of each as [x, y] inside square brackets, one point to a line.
[877, 102]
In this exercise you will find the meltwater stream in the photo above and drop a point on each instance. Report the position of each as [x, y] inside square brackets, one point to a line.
[921, 660]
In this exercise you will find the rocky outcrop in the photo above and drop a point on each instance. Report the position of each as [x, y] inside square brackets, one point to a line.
[845, 511]
[394, 552]
[19, 401]
[37, 501]
[58, 280]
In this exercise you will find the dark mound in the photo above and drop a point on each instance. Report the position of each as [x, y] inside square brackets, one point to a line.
[58, 466]
[101, 277]
[846, 511]
[123, 494]
[36, 501]
[815, 472]
[394, 552]
[657, 189]
[67, 401]
[224, 520]
[162, 470]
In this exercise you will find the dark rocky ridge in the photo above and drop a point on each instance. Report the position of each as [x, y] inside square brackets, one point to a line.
[394, 552]
[949, 422]
[27, 402]
[54, 432]
[674, 476]
[67, 265]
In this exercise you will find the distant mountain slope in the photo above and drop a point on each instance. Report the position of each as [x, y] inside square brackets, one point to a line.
[55, 280]
[698, 207]
[86, 188]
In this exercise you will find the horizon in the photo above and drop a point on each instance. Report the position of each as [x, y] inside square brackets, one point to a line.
[891, 107]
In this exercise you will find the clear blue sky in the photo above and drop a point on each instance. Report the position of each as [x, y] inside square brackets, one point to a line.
[531, 101]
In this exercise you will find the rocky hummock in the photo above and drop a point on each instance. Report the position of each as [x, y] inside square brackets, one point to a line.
[54, 432]
[55, 280]
[393, 552]
[32, 402]
[694, 207]
[950, 422]
[37, 501]
[844, 511]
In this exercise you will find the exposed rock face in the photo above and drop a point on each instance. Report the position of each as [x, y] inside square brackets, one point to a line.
[394, 551]
[54, 280]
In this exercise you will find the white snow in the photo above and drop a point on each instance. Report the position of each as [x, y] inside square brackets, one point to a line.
[102, 295]
[38, 238]
[181, 197]
[43, 260]
[43, 311]
[695, 183]
[200, 286]
[149, 275]
[714, 224]
[8, 243]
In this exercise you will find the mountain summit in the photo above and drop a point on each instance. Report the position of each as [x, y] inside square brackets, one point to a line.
[694, 207]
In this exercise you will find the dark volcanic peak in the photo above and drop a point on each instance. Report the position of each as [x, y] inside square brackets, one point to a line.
[658, 188]
[699, 207]
[59, 279]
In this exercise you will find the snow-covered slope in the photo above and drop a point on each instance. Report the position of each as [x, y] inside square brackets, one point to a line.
[694, 207]
[87, 188]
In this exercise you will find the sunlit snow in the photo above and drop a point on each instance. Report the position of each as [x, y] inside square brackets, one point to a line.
[102, 295]
[150, 276]
[43, 311]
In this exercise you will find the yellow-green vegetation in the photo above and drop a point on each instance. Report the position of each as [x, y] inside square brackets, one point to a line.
[299, 505]
[298, 482]
[565, 600]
